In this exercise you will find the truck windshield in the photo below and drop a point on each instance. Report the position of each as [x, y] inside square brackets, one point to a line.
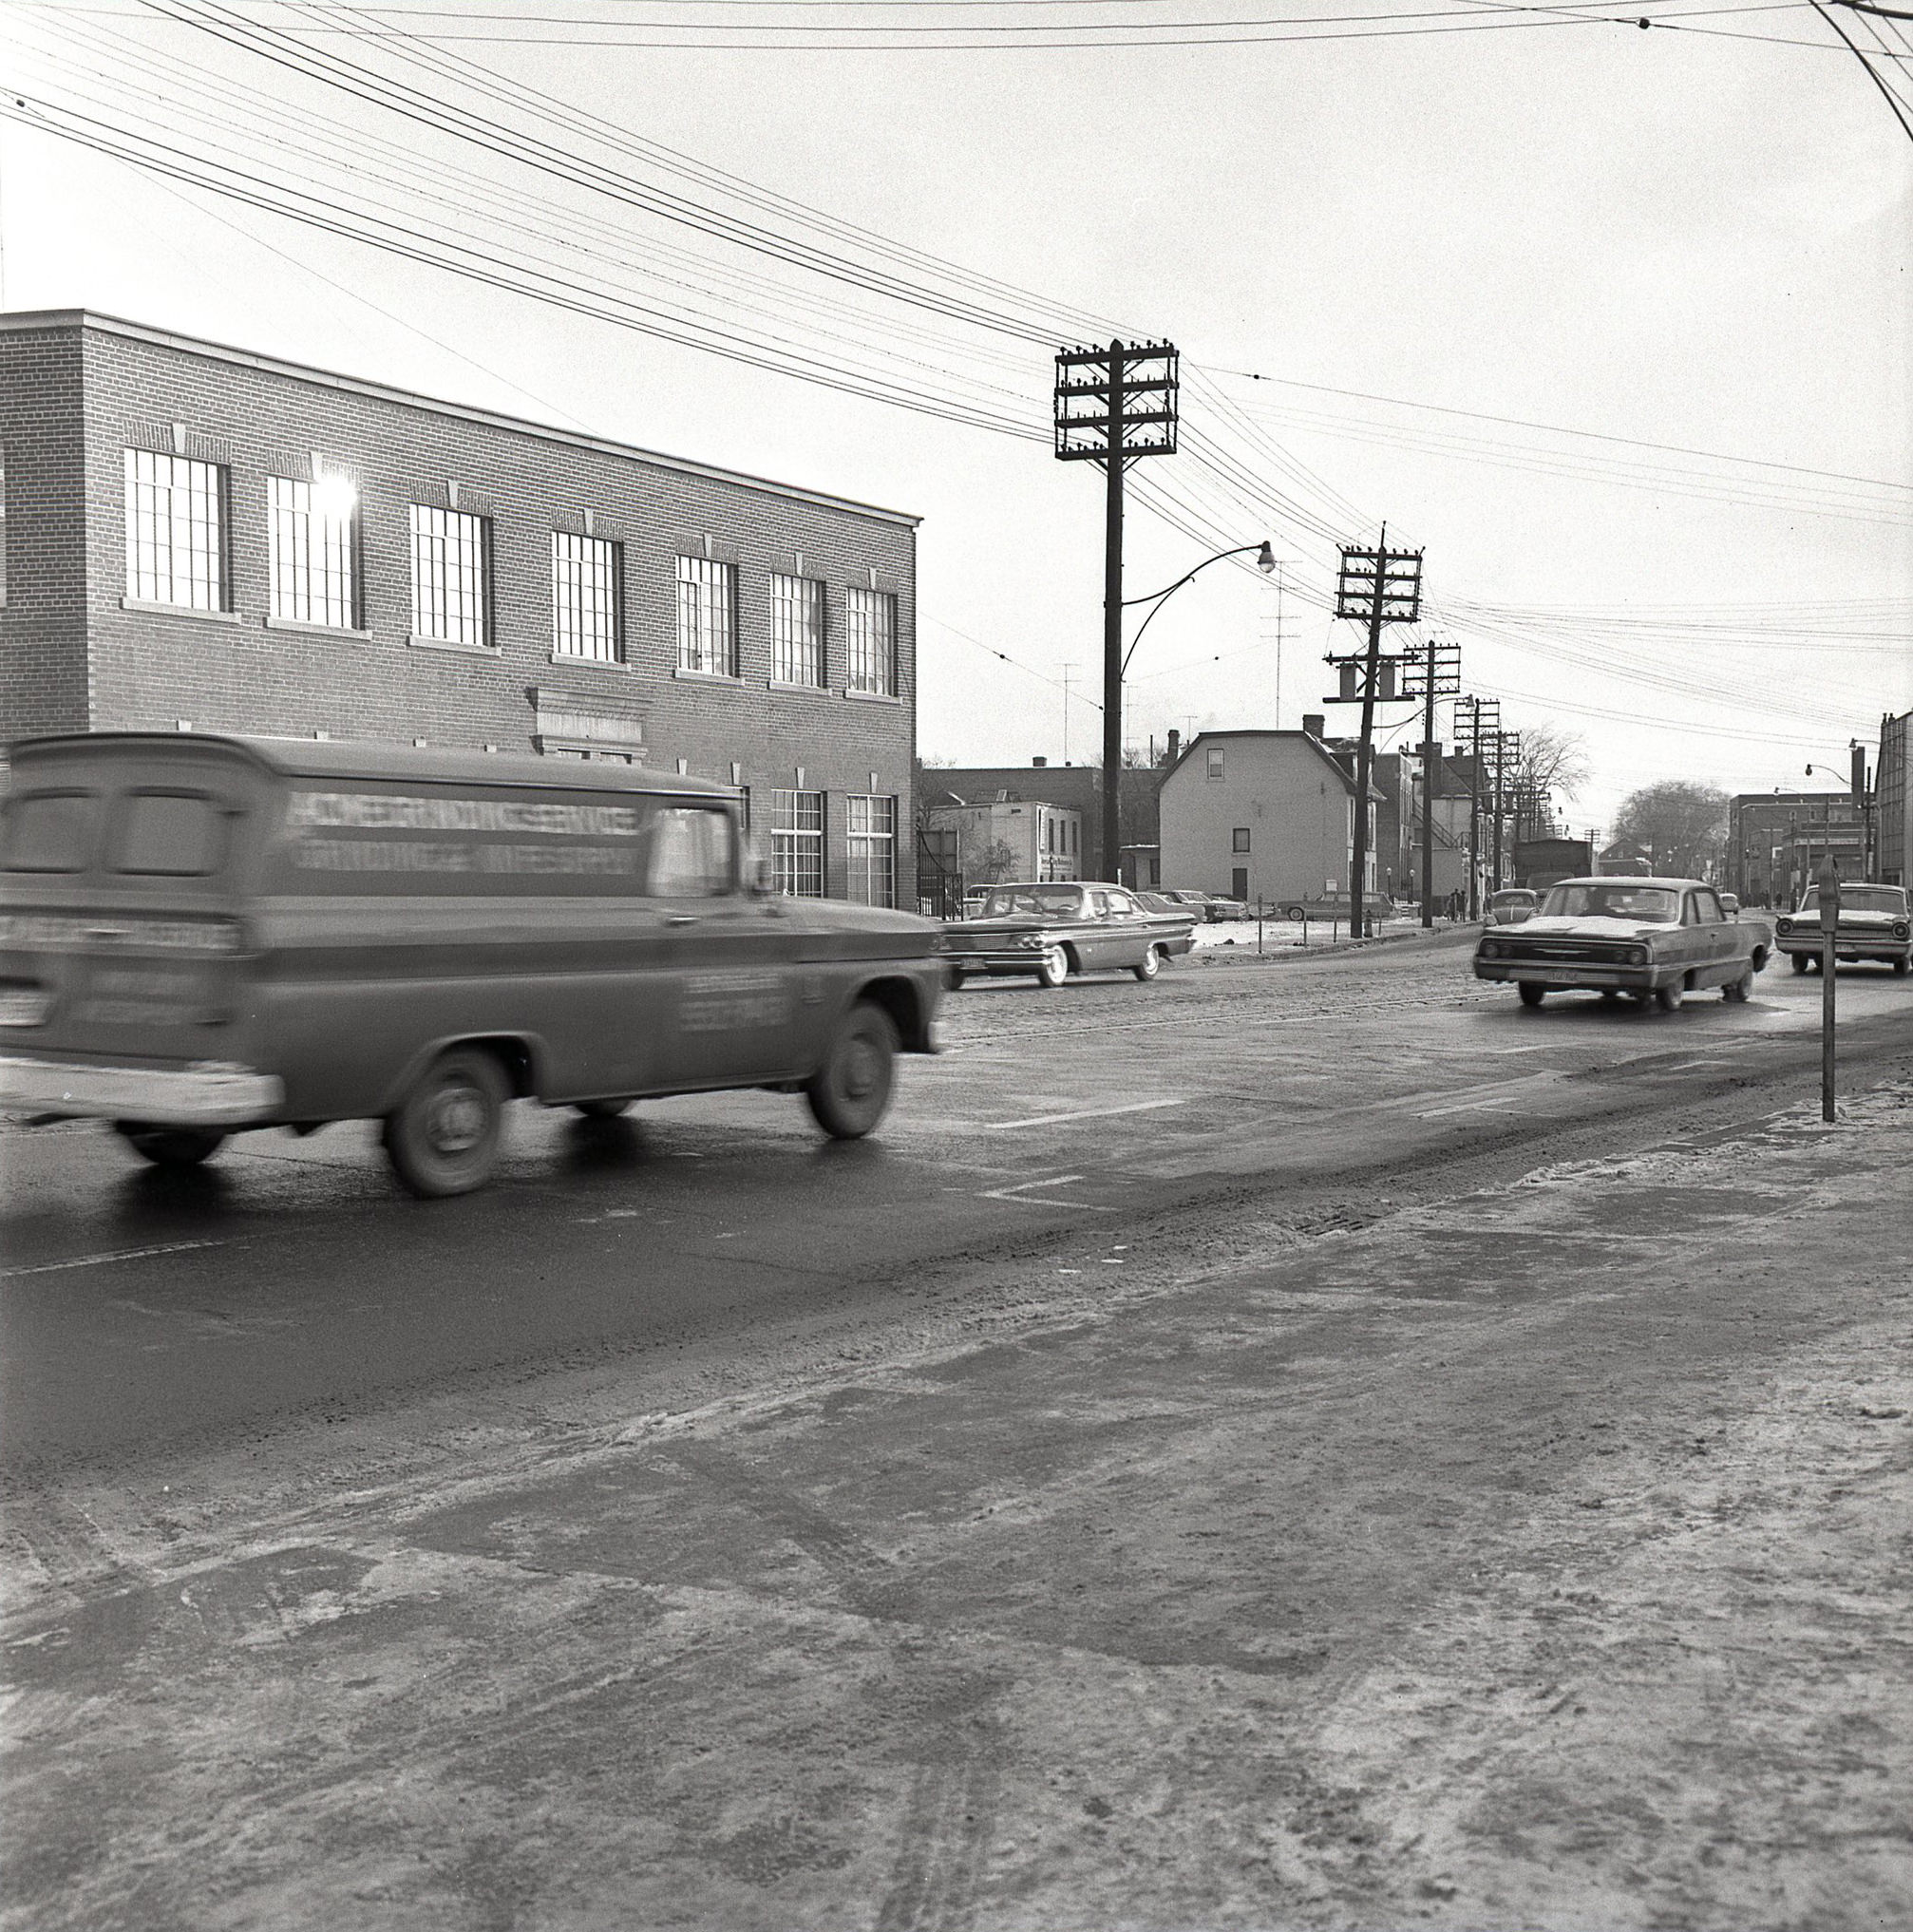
[1657, 903]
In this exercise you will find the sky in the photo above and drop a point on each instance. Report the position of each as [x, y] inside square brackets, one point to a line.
[1615, 326]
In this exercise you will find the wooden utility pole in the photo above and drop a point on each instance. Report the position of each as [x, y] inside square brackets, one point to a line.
[1376, 587]
[1436, 676]
[1113, 406]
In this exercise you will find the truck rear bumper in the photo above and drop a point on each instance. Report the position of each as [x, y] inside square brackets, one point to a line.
[211, 1093]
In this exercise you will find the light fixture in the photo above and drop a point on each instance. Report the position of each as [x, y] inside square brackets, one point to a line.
[1265, 559]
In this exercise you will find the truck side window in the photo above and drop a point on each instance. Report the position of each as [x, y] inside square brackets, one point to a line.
[693, 852]
[180, 834]
[48, 831]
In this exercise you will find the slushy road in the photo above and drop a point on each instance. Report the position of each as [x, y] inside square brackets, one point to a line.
[142, 1311]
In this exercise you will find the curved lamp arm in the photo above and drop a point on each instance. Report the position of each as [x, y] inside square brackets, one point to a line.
[1265, 561]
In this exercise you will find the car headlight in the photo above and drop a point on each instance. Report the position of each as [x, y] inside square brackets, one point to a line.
[1783, 925]
[1489, 950]
[1636, 956]
[1027, 939]
[1901, 930]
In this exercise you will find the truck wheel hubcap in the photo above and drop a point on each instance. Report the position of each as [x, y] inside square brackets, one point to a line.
[455, 1124]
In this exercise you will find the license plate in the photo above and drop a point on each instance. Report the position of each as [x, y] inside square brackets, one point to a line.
[25, 1006]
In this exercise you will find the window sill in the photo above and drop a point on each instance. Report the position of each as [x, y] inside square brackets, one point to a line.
[871, 697]
[707, 676]
[416, 642]
[157, 609]
[351, 632]
[805, 689]
[583, 663]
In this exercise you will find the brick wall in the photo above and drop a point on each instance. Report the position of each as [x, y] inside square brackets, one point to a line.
[115, 387]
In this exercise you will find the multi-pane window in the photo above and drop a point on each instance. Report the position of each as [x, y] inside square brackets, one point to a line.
[1239, 839]
[1215, 761]
[796, 629]
[870, 842]
[587, 613]
[314, 542]
[797, 842]
[451, 571]
[707, 616]
[870, 642]
[176, 531]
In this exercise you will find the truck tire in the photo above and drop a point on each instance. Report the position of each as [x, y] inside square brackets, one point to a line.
[442, 1138]
[850, 1092]
[601, 1110]
[171, 1146]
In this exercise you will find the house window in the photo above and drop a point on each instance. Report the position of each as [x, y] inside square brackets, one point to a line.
[796, 629]
[314, 544]
[797, 842]
[1240, 841]
[587, 602]
[176, 531]
[870, 838]
[870, 642]
[706, 622]
[451, 577]
[1215, 761]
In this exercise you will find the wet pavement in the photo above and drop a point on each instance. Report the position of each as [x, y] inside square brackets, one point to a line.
[1379, 1485]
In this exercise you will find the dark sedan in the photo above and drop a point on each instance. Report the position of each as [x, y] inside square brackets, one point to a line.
[1053, 928]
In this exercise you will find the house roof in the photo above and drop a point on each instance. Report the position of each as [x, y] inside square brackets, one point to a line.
[1307, 738]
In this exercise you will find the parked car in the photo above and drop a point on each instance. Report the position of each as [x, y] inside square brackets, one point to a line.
[1874, 925]
[201, 935]
[1729, 904]
[1196, 903]
[1334, 905]
[1223, 908]
[1051, 929]
[1512, 905]
[1656, 939]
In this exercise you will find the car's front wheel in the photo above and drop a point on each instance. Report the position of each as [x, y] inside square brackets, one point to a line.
[850, 1092]
[1052, 966]
[442, 1138]
[1669, 997]
[1149, 964]
[1532, 995]
[174, 1146]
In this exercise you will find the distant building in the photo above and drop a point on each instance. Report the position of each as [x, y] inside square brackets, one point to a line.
[997, 841]
[1261, 816]
[1775, 841]
[1071, 787]
[1893, 802]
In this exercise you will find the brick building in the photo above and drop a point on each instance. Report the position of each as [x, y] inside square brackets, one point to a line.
[199, 536]
[1776, 839]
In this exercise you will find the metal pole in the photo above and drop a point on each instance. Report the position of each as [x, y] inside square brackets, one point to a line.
[1112, 628]
[1828, 977]
[1430, 765]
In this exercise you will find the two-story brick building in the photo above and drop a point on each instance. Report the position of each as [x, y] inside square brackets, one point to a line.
[197, 536]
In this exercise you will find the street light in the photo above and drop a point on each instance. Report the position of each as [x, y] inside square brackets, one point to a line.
[1265, 562]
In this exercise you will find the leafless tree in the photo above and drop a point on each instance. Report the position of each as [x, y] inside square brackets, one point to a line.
[1678, 826]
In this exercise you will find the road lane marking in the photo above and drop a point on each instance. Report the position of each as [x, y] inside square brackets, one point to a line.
[1003, 1127]
[1014, 1194]
[101, 1261]
[1468, 1106]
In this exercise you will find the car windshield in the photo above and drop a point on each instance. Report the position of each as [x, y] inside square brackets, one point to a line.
[1046, 902]
[1873, 899]
[1598, 900]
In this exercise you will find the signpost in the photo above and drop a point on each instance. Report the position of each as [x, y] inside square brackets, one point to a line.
[1830, 926]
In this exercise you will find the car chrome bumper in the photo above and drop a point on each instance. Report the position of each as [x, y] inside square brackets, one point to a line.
[1568, 973]
[211, 1093]
[1016, 960]
[1812, 944]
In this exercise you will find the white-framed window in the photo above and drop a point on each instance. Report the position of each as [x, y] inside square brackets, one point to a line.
[796, 629]
[870, 842]
[314, 542]
[797, 842]
[176, 531]
[451, 577]
[870, 642]
[707, 616]
[1215, 761]
[587, 598]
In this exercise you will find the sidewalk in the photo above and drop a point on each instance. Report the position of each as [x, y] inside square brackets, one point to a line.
[1535, 1559]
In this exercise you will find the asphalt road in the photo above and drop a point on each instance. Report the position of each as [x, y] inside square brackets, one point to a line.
[142, 1311]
